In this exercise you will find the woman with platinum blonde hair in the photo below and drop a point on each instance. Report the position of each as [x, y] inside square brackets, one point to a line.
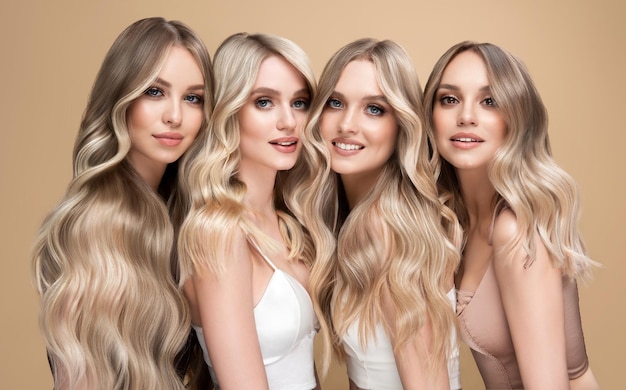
[111, 312]
[381, 294]
[244, 258]
[517, 295]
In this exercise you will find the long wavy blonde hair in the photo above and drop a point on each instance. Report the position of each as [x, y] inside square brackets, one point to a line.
[111, 313]
[526, 178]
[211, 183]
[402, 211]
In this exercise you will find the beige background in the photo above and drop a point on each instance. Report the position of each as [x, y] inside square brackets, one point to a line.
[51, 51]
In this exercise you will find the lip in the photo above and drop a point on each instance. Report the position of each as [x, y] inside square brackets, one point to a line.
[465, 140]
[285, 144]
[346, 147]
[169, 138]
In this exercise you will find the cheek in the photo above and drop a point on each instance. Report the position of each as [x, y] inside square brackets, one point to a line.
[440, 119]
[301, 117]
[325, 126]
[137, 115]
[195, 118]
[390, 142]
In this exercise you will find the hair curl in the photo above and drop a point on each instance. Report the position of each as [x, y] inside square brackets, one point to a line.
[420, 235]
[111, 313]
[526, 178]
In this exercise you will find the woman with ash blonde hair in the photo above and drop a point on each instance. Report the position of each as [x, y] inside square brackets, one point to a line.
[111, 313]
[244, 258]
[381, 295]
[517, 295]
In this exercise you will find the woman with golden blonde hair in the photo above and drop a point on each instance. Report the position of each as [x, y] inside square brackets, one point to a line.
[517, 295]
[244, 258]
[111, 312]
[381, 294]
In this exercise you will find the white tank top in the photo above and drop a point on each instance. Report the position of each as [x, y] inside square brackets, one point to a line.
[375, 367]
[286, 326]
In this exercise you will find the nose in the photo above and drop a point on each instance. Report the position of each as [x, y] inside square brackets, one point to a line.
[467, 116]
[173, 114]
[347, 123]
[287, 119]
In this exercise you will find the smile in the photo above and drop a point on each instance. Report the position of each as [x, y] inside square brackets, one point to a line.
[284, 143]
[343, 146]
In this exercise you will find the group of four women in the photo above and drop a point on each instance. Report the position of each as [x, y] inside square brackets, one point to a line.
[355, 207]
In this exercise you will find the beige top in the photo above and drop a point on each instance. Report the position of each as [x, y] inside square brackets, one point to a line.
[483, 326]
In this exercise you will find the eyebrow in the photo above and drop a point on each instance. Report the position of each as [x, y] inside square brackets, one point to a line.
[169, 85]
[272, 91]
[452, 87]
[368, 97]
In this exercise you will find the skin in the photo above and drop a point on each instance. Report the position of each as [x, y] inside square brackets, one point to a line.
[274, 114]
[360, 129]
[469, 129]
[165, 120]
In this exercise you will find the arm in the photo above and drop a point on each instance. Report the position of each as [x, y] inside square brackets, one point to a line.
[413, 360]
[226, 309]
[533, 303]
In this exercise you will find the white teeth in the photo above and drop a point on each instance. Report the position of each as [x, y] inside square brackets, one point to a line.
[285, 143]
[343, 146]
[465, 140]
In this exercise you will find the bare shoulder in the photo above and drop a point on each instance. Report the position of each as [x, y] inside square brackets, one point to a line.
[505, 228]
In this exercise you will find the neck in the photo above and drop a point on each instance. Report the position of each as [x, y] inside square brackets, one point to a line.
[259, 196]
[357, 187]
[152, 174]
[478, 194]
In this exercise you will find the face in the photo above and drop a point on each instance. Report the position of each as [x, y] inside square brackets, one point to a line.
[469, 127]
[358, 125]
[165, 120]
[271, 119]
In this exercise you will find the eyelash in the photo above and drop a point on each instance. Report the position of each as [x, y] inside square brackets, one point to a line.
[336, 104]
[331, 103]
[151, 91]
[158, 92]
[381, 110]
[304, 102]
[448, 100]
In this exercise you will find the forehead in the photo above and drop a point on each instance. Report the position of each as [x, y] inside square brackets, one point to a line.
[467, 68]
[277, 73]
[358, 77]
[181, 66]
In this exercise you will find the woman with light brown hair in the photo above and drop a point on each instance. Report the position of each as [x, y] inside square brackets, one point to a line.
[111, 312]
[517, 294]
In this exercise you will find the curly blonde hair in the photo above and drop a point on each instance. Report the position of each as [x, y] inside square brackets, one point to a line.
[524, 174]
[217, 208]
[111, 313]
[420, 235]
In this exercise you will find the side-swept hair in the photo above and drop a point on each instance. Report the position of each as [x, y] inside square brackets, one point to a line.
[216, 194]
[400, 221]
[526, 178]
[111, 313]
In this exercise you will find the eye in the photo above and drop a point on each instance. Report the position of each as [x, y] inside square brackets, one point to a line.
[194, 99]
[448, 99]
[490, 102]
[153, 91]
[263, 103]
[334, 103]
[375, 110]
[300, 104]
